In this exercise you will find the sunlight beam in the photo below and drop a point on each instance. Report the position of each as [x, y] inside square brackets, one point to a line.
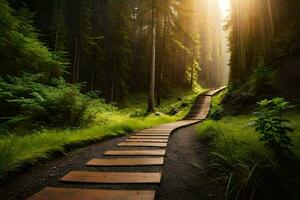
[224, 6]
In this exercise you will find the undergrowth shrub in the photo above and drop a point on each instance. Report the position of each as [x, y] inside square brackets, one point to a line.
[209, 130]
[240, 166]
[138, 113]
[217, 111]
[274, 129]
[26, 102]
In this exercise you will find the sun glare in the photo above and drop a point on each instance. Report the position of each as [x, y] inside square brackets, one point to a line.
[224, 6]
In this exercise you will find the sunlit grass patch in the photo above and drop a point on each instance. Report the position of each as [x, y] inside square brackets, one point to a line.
[240, 164]
[15, 151]
[18, 150]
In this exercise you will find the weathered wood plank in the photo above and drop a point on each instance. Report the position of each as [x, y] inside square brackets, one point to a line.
[50, 193]
[135, 153]
[142, 144]
[111, 177]
[152, 134]
[147, 140]
[126, 162]
[148, 137]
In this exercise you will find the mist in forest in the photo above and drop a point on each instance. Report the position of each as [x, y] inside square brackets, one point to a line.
[215, 55]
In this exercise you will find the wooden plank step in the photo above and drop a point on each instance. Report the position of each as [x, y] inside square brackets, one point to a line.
[196, 117]
[199, 111]
[147, 140]
[50, 193]
[135, 153]
[155, 131]
[199, 114]
[213, 91]
[111, 177]
[202, 107]
[126, 162]
[206, 102]
[148, 137]
[201, 117]
[142, 144]
[152, 134]
[203, 100]
[158, 130]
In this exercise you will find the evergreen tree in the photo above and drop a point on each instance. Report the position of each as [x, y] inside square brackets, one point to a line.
[58, 36]
[20, 48]
[151, 98]
[119, 50]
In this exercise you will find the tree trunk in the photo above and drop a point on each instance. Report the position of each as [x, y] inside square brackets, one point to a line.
[75, 61]
[192, 70]
[152, 71]
[78, 66]
[92, 79]
[55, 50]
[161, 75]
[112, 89]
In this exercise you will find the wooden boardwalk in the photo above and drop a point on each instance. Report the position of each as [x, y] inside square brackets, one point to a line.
[154, 139]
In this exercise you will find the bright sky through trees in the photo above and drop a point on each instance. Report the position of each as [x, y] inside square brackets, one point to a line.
[225, 7]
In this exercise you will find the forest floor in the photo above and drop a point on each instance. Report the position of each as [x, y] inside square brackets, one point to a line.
[182, 178]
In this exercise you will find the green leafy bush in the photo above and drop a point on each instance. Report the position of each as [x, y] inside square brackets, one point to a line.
[240, 167]
[272, 126]
[27, 102]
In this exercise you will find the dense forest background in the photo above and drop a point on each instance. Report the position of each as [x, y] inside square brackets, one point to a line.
[107, 44]
[111, 49]
[264, 46]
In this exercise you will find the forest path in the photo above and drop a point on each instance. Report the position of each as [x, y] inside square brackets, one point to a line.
[130, 169]
[183, 177]
[132, 154]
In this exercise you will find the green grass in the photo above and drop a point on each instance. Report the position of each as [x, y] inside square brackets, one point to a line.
[241, 165]
[19, 150]
[217, 110]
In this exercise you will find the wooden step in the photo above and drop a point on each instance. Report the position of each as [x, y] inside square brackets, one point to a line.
[147, 140]
[200, 117]
[148, 137]
[111, 177]
[142, 144]
[126, 162]
[198, 114]
[157, 130]
[213, 92]
[152, 134]
[50, 193]
[199, 111]
[154, 131]
[195, 117]
[135, 153]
